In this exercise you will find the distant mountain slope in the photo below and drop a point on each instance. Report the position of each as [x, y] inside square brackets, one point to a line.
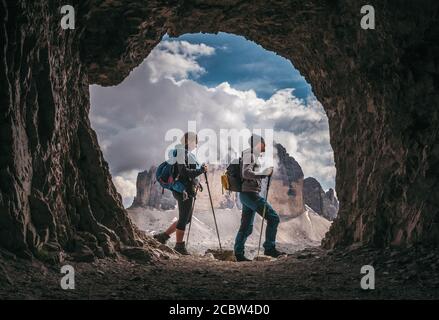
[323, 203]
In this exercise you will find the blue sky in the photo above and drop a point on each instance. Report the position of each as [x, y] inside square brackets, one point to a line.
[245, 65]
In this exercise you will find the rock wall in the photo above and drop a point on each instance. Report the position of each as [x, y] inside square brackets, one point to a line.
[151, 194]
[286, 189]
[55, 187]
[323, 203]
[330, 205]
[379, 89]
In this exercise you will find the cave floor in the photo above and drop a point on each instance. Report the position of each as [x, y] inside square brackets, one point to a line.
[309, 274]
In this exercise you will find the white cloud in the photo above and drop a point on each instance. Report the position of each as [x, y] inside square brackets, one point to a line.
[131, 119]
[177, 60]
[126, 187]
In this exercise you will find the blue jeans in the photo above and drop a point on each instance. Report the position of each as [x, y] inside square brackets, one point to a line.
[252, 203]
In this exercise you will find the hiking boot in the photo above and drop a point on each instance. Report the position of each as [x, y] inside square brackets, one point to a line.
[241, 258]
[161, 237]
[273, 252]
[180, 247]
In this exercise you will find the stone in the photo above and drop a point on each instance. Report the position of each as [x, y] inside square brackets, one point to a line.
[166, 249]
[323, 203]
[84, 254]
[8, 255]
[209, 256]
[223, 255]
[263, 258]
[151, 194]
[286, 188]
[4, 277]
[141, 255]
[305, 256]
[106, 244]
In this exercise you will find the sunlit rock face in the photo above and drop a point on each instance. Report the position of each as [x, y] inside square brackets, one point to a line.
[379, 89]
[323, 203]
[151, 194]
[286, 188]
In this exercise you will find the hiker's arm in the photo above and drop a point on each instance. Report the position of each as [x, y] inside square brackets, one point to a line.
[247, 169]
[249, 174]
[184, 171]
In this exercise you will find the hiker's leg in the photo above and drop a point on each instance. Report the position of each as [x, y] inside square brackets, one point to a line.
[179, 235]
[272, 220]
[245, 229]
[184, 215]
[272, 223]
[171, 228]
[163, 237]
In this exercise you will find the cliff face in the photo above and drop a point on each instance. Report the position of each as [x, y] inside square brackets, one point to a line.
[330, 205]
[55, 187]
[323, 203]
[151, 194]
[379, 89]
[286, 189]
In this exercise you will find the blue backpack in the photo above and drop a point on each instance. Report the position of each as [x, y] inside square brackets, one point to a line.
[165, 176]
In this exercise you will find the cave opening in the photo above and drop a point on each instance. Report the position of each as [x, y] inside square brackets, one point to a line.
[218, 82]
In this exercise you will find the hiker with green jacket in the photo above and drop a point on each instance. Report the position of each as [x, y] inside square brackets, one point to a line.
[187, 171]
[252, 202]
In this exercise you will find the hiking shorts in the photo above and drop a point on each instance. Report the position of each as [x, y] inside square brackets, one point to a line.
[184, 210]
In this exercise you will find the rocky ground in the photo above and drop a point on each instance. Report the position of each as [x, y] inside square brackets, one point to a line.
[309, 274]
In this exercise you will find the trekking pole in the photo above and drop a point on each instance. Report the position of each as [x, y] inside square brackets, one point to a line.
[263, 214]
[213, 211]
[190, 222]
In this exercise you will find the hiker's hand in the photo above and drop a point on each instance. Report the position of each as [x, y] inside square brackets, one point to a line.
[204, 168]
[267, 172]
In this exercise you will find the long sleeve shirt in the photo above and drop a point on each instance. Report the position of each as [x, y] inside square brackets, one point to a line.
[252, 178]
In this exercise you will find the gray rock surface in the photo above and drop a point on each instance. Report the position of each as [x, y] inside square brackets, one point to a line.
[323, 203]
[151, 194]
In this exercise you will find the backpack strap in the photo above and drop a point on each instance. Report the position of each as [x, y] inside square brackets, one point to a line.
[241, 164]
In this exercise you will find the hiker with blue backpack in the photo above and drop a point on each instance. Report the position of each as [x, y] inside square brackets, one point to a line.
[179, 174]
